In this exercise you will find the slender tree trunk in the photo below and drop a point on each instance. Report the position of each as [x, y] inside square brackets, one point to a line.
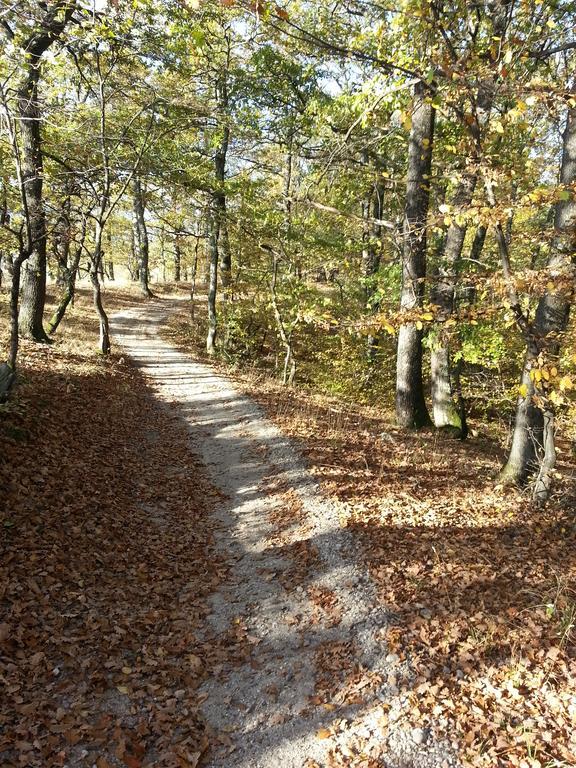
[104, 340]
[289, 368]
[411, 411]
[545, 474]
[478, 243]
[8, 369]
[287, 233]
[163, 254]
[141, 236]
[207, 233]
[193, 276]
[217, 215]
[132, 259]
[525, 449]
[4, 219]
[110, 263]
[177, 259]
[14, 300]
[67, 297]
[532, 449]
[69, 285]
[30, 320]
[7, 267]
[371, 256]
[220, 173]
[212, 282]
[61, 240]
[446, 398]
[225, 253]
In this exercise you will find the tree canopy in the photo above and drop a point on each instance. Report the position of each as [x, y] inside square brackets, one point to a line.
[380, 198]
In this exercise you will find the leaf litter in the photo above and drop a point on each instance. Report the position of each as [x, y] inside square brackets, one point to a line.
[482, 587]
[109, 565]
[107, 562]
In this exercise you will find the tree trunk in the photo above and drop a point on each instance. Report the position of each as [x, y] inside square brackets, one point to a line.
[207, 255]
[177, 259]
[6, 267]
[4, 219]
[523, 457]
[8, 369]
[411, 411]
[532, 449]
[141, 237]
[289, 368]
[446, 399]
[61, 240]
[478, 242]
[224, 250]
[193, 276]
[220, 173]
[34, 269]
[51, 26]
[217, 214]
[14, 313]
[371, 256]
[212, 281]
[110, 263]
[69, 285]
[65, 299]
[132, 258]
[104, 341]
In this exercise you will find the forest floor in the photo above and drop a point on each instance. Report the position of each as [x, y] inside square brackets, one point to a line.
[189, 578]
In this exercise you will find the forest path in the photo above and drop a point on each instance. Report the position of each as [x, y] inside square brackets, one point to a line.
[300, 675]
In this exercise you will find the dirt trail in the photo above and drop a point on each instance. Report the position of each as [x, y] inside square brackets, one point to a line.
[317, 678]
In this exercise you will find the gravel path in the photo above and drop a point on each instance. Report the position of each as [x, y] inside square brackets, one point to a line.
[318, 679]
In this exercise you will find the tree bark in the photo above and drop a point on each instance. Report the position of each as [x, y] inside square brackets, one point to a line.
[225, 253]
[30, 320]
[69, 276]
[411, 411]
[104, 340]
[177, 259]
[193, 276]
[532, 449]
[132, 258]
[212, 281]
[6, 266]
[289, 368]
[207, 257]
[61, 241]
[373, 208]
[372, 246]
[141, 236]
[217, 213]
[446, 397]
[220, 173]
[49, 29]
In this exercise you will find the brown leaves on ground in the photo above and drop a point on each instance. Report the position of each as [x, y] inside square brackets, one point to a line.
[483, 587]
[106, 564]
